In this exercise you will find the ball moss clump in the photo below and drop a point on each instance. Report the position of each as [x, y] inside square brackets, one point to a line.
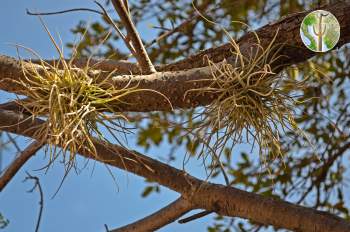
[252, 103]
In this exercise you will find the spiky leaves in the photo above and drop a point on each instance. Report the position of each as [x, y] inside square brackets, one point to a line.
[254, 104]
[74, 105]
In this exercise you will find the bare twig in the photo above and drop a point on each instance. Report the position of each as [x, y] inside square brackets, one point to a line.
[13, 141]
[41, 202]
[110, 20]
[195, 216]
[62, 11]
[160, 218]
[141, 53]
[18, 163]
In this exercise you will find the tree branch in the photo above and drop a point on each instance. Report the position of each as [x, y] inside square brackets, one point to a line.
[173, 85]
[157, 220]
[141, 53]
[119, 67]
[22, 158]
[224, 200]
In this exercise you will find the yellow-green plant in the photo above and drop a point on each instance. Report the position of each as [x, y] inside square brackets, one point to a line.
[74, 105]
[252, 103]
[78, 105]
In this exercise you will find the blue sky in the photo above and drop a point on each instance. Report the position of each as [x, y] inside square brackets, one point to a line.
[89, 200]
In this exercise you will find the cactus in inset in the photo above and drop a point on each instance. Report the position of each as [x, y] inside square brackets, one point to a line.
[320, 32]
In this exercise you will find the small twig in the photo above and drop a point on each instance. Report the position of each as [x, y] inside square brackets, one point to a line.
[13, 141]
[18, 163]
[141, 54]
[110, 20]
[63, 11]
[194, 217]
[41, 202]
[170, 32]
[160, 218]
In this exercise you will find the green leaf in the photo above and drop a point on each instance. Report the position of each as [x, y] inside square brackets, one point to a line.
[148, 190]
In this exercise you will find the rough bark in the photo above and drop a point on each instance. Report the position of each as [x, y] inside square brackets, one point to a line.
[227, 201]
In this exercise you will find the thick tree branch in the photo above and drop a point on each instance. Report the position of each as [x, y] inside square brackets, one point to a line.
[120, 67]
[174, 84]
[227, 201]
[22, 158]
[157, 220]
[141, 53]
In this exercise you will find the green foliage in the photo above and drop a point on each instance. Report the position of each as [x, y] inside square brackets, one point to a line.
[310, 20]
[3, 222]
[151, 188]
[149, 135]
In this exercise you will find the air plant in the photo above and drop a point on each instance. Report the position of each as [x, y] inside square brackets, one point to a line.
[253, 104]
[79, 105]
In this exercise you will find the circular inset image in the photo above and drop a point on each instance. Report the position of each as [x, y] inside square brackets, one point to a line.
[320, 31]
